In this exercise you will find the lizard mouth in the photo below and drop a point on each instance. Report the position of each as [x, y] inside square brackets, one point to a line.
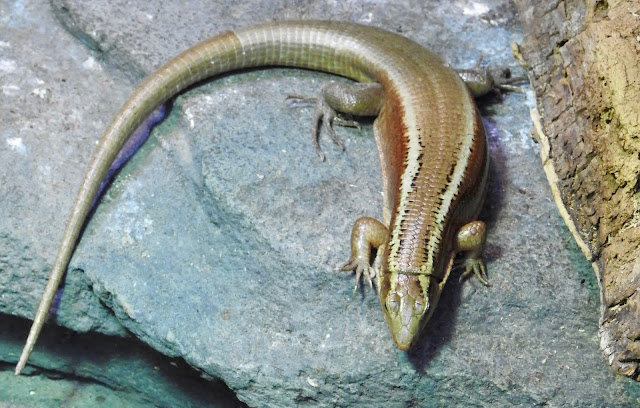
[404, 339]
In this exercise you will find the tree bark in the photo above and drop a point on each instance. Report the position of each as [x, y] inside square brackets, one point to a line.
[583, 61]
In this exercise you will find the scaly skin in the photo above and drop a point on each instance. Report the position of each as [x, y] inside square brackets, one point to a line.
[429, 135]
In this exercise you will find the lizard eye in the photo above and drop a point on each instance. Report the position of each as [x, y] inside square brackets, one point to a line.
[420, 303]
[393, 303]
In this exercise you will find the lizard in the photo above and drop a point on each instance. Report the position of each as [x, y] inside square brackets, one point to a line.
[428, 131]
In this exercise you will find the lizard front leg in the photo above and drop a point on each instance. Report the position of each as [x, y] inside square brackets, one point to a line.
[471, 239]
[367, 233]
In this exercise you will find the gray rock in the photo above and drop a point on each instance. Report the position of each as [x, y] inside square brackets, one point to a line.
[90, 369]
[54, 97]
[218, 241]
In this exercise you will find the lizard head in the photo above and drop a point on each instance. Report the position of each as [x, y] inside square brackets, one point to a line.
[408, 302]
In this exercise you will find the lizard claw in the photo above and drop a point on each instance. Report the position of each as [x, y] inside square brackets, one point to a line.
[327, 116]
[475, 266]
[361, 268]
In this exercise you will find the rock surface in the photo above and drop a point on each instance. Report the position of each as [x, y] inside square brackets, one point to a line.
[218, 241]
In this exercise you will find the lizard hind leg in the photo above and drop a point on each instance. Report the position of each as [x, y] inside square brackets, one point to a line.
[336, 98]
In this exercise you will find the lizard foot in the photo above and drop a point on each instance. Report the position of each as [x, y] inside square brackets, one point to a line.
[361, 268]
[475, 266]
[327, 116]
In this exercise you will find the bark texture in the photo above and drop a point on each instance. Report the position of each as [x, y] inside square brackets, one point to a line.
[583, 60]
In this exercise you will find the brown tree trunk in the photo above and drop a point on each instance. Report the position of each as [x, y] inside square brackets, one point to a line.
[583, 60]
